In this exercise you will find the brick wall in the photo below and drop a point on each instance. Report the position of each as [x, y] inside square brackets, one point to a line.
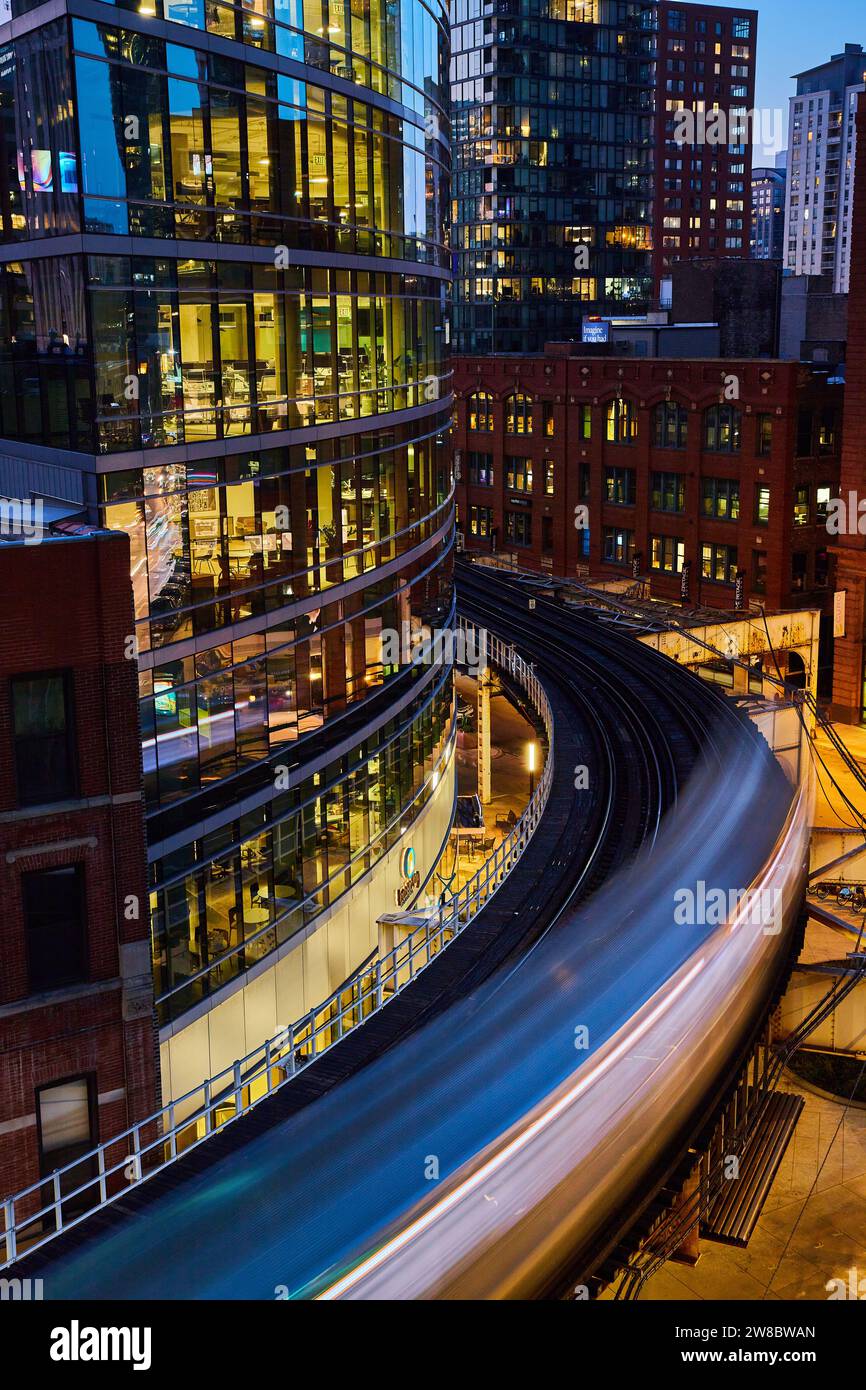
[851, 547]
[68, 606]
[709, 165]
[565, 383]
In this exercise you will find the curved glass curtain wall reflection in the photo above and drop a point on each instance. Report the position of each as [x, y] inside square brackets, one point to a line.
[225, 540]
[219, 148]
[208, 716]
[279, 388]
[217, 359]
[227, 900]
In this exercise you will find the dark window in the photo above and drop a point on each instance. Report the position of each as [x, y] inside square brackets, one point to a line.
[804, 432]
[54, 923]
[668, 492]
[764, 441]
[618, 545]
[722, 429]
[822, 569]
[759, 571]
[827, 431]
[799, 568]
[670, 425]
[42, 732]
[619, 486]
[480, 469]
[721, 498]
[518, 528]
[583, 480]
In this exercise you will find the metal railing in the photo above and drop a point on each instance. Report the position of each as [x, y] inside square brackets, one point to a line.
[66, 1197]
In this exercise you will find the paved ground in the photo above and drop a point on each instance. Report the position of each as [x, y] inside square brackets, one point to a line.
[510, 735]
[812, 1228]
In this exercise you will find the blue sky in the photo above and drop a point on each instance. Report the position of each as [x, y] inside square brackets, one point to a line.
[797, 34]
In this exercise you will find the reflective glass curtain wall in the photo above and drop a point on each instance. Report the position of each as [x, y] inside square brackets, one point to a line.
[262, 392]
[553, 158]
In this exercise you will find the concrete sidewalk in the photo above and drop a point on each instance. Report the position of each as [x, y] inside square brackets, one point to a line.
[510, 736]
[812, 1228]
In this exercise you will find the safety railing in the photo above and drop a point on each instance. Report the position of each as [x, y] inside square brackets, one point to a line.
[66, 1197]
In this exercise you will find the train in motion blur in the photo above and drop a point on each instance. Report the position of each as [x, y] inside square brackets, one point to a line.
[496, 1151]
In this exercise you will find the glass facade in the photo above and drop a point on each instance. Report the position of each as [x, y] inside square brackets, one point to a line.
[244, 354]
[553, 143]
[147, 352]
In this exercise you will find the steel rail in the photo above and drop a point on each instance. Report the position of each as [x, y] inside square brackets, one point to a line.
[154, 1143]
[607, 649]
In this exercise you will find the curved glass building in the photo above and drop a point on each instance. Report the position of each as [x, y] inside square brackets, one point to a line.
[224, 278]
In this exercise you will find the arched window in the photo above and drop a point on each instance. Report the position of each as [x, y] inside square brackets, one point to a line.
[481, 411]
[518, 413]
[796, 674]
[670, 425]
[621, 422]
[722, 429]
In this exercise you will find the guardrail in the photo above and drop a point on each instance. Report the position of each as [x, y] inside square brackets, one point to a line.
[61, 1201]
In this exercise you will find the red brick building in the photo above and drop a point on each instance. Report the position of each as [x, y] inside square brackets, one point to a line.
[77, 1045]
[690, 472]
[849, 698]
[702, 188]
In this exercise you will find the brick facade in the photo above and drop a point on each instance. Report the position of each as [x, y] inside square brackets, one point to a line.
[702, 207]
[570, 392]
[851, 548]
[68, 607]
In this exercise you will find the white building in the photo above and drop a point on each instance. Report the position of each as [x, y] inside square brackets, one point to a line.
[820, 180]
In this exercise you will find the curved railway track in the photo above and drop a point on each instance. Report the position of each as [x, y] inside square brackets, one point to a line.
[334, 1198]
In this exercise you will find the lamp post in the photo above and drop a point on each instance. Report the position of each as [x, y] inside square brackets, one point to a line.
[531, 754]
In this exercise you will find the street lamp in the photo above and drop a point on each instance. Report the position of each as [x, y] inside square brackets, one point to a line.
[531, 755]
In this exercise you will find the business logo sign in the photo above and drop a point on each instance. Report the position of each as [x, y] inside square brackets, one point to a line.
[411, 877]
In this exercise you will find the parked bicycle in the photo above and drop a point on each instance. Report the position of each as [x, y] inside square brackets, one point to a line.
[851, 896]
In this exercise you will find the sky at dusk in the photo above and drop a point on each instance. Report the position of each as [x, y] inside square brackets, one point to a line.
[797, 34]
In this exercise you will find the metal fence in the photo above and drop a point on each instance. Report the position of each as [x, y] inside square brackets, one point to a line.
[39, 1213]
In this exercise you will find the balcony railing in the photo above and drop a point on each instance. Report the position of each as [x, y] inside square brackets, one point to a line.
[65, 1198]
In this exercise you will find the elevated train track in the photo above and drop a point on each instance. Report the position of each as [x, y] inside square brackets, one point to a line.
[542, 1152]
